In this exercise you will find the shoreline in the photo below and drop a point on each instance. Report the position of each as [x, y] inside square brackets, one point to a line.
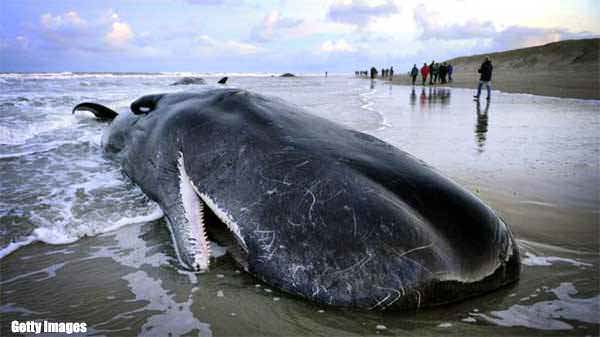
[541, 84]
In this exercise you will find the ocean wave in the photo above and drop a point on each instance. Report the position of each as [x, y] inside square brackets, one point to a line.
[58, 236]
[83, 75]
[368, 103]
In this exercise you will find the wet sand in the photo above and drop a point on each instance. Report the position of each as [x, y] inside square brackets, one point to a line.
[576, 84]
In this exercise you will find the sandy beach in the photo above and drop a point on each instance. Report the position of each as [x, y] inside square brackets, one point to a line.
[568, 69]
[559, 84]
[537, 169]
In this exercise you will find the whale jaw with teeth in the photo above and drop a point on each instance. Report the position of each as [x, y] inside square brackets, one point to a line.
[195, 205]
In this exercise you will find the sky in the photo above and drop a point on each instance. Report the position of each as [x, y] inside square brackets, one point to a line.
[303, 36]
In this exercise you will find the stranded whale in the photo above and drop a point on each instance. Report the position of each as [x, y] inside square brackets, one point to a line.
[315, 209]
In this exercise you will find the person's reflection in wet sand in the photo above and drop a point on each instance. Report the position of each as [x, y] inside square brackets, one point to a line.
[423, 99]
[440, 95]
[430, 95]
[481, 127]
[372, 84]
[444, 95]
[436, 96]
[413, 97]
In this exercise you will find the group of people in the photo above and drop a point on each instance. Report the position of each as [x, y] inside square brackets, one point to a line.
[385, 73]
[437, 72]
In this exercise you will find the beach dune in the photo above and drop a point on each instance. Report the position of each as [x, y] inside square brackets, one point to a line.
[562, 69]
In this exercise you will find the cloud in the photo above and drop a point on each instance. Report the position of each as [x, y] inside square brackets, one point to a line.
[208, 46]
[431, 24]
[360, 12]
[336, 46]
[520, 37]
[213, 2]
[68, 20]
[18, 43]
[273, 25]
[120, 35]
[485, 34]
[69, 31]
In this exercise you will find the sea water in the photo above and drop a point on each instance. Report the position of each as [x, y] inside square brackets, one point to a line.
[79, 242]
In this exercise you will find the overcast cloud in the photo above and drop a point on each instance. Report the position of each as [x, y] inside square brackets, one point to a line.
[277, 35]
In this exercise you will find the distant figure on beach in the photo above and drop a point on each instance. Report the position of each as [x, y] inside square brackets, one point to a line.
[442, 71]
[450, 70]
[413, 73]
[486, 78]
[373, 72]
[382, 72]
[424, 72]
[431, 72]
[325, 74]
[435, 72]
[391, 73]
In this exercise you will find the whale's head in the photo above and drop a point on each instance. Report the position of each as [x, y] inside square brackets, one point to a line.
[308, 206]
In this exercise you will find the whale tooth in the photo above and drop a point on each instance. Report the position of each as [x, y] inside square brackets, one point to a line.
[195, 228]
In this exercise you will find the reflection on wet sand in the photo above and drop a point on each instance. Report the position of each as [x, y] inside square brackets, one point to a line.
[430, 97]
[481, 127]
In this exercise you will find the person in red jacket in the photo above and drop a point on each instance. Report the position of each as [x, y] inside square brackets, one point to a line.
[424, 72]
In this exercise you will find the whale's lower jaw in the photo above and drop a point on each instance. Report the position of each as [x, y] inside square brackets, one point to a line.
[193, 248]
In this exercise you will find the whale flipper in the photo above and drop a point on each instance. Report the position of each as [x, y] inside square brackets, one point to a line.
[223, 80]
[99, 110]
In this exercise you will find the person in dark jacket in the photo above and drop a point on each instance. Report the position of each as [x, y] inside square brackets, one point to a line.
[435, 72]
[431, 72]
[413, 73]
[486, 78]
[450, 70]
[442, 71]
[373, 72]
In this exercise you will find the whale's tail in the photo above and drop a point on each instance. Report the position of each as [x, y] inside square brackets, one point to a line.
[99, 110]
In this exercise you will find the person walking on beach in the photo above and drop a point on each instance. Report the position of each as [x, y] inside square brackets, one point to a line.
[413, 73]
[486, 77]
[431, 72]
[373, 72]
[450, 69]
[391, 73]
[442, 73]
[424, 72]
[435, 72]
[445, 73]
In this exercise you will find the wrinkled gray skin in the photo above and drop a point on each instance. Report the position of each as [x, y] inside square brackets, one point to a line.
[326, 213]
